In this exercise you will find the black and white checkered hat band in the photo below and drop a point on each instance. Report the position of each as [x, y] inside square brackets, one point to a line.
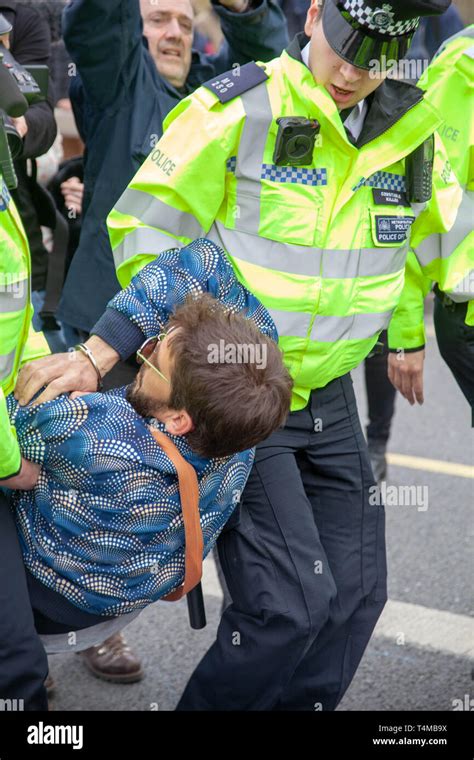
[380, 19]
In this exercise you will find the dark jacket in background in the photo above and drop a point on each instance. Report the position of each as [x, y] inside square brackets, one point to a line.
[51, 11]
[120, 101]
[295, 12]
[72, 167]
[30, 43]
[432, 32]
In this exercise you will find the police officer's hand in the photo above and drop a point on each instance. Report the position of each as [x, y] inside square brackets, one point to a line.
[26, 478]
[61, 373]
[405, 371]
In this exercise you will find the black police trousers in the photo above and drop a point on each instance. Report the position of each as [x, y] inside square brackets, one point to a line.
[304, 559]
[380, 394]
[456, 342]
[23, 661]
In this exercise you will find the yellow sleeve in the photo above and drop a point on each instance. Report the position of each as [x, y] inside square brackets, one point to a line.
[36, 346]
[441, 210]
[470, 314]
[407, 327]
[10, 457]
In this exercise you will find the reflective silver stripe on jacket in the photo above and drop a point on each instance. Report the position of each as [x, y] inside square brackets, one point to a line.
[14, 296]
[463, 290]
[308, 261]
[258, 110]
[354, 327]
[143, 240]
[442, 245]
[155, 213]
[363, 262]
[329, 329]
[293, 324]
[7, 362]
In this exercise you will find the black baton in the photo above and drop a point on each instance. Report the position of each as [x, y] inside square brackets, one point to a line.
[196, 611]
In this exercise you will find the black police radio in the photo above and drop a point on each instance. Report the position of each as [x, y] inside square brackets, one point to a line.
[295, 141]
[419, 172]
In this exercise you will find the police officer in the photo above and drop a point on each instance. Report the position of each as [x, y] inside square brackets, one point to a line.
[298, 169]
[23, 662]
[381, 393]
[448, 260]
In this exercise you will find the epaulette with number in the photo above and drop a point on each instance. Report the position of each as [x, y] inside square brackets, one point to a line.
[235, 82]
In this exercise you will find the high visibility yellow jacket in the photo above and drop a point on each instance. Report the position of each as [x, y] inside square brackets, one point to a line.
[18, 341]
[323, 246]
[446, 259]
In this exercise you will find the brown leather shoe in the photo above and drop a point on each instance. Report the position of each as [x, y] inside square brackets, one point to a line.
[113, 660]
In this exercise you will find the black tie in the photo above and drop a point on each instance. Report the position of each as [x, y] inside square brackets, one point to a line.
[345, 115]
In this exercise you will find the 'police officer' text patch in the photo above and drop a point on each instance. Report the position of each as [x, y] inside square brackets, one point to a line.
[392, 229]
[389, 197]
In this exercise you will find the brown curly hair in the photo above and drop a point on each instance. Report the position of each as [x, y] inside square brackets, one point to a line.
[233, 404]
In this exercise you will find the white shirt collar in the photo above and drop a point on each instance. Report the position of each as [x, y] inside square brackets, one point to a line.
[355, 120]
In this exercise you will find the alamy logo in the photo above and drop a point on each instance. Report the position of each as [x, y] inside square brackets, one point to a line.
[397, 68]
[399, 496]
[237, 353]
[12, 705]
[45, 734]
[13, 286]
[463, 704]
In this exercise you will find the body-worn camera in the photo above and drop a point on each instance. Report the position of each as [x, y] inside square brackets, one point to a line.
[20, 86]
[295, 141]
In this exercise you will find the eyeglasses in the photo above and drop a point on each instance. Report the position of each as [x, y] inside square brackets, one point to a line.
[146, 349]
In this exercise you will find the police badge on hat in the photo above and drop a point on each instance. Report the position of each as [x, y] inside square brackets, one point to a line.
[382, 18]
[364, 31]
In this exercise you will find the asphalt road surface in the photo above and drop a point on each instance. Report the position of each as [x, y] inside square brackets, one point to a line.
[421, 655]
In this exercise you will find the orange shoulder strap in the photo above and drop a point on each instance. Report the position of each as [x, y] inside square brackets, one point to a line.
[189, 496]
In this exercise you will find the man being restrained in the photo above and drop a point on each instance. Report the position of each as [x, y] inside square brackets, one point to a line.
[102, 531]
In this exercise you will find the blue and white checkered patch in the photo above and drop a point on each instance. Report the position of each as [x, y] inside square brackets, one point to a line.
[231, 164]
[383, 181]
[294, 174]
[4, 195]
[381, 19]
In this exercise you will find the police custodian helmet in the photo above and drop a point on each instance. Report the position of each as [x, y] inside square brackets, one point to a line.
[364, 31]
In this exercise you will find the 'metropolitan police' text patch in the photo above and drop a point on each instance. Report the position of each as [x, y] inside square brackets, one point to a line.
[392, 229]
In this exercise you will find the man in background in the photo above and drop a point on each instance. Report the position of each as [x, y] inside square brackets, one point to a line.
[135, 62]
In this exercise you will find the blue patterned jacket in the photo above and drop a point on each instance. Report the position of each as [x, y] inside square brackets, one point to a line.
[104, 526]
